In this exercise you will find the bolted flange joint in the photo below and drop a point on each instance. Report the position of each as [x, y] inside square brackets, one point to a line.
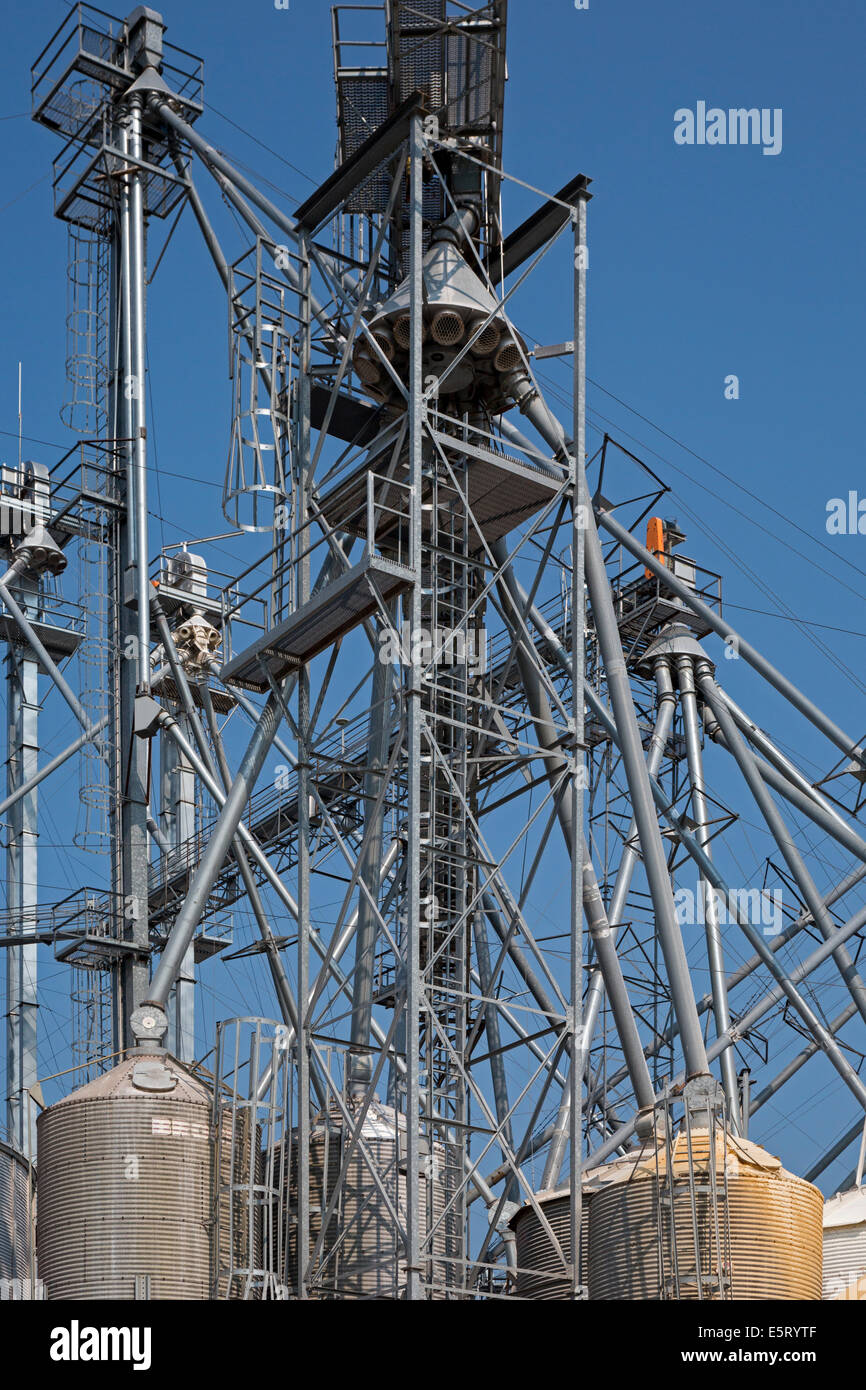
[149, 1023]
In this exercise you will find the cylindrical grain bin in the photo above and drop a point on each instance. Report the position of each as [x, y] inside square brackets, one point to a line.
[125, 1168]
[17, 1186]
[362, 1256]
[845, 1245]
[540, 1273]
[774, 1220]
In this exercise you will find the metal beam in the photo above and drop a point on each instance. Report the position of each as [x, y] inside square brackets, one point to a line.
[384, 141]
[540, 227]
[654, 858]
[22, 834]
[778, 829]
[213, 857]
[715, 953]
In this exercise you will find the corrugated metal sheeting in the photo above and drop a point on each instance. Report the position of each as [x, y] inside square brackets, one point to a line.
[16, 1189]
[365, 1256]
[125, 1185]
[845, 1245]
[774, 1220]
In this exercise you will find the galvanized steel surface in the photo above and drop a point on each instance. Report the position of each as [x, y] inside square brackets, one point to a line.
[540, 1272]
[845, 1245]
[775, 1230]
[17, 1183]
[363, 1254]
[125, 1187]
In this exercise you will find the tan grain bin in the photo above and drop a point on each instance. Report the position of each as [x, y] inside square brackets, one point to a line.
[125, 1167]
[774, 1220]
[845, 1245]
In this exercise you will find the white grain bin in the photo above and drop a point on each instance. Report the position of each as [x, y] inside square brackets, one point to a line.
[845, 1245]
[17, 1185]
[362, 1256]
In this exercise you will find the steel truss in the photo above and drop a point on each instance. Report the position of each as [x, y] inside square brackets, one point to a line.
[464, 1061]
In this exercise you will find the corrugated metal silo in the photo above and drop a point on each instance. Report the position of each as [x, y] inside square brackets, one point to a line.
[539, 1266]
[540, 1274]
[774, 1221]
[17, 1183]
[845, 1245]
[363, 1256]
[125, 1166]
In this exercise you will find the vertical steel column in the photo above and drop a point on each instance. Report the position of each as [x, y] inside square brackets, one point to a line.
[137, 390]
[578, 657]
[498, 1077]
[21, 881]
[124, 976]
[131, 754]
[303, 956]
[628, 738]
[417, 408]
[360, 1061]
[178, 788]
[557, 767]
[655, 861]
[715, 955]
[630, 854]
[658, 743]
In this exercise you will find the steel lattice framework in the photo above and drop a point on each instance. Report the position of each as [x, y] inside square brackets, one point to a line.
[482, 683]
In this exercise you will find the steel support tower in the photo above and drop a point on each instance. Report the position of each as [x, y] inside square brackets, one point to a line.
[479, 653]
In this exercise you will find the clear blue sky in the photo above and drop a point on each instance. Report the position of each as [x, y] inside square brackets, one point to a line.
[704, 262]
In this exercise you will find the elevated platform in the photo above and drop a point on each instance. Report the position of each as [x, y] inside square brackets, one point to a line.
[222, 700]
[644, 605]
[317, 624]
[502, 491]
[59, 642]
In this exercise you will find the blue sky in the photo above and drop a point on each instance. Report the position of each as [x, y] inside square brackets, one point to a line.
[704, 262]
